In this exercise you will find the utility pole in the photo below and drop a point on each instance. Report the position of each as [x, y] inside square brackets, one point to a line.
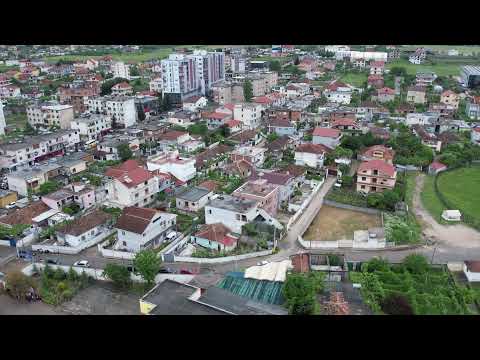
[433, 255]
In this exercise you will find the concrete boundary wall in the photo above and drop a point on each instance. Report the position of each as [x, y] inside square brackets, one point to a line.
[58, 249]
[220, 260]
[304, 205]
[351, 207]
[344, 244]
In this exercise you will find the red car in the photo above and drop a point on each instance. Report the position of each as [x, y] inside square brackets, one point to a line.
[184, 271]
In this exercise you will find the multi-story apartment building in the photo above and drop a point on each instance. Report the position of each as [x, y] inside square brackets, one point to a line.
[222, 93]
[450, 98]
[90, 126]
[473, 110]
[120, 109]
[131, 185]
[189, 75]
[121, 70]
[470, 76]
[376, 176]
[76, 97]
[417, 95]
[250, 114]
[169, 162]
[156, 85]
[37, 148]
[50, 115]
[108, 148]
[265, 194]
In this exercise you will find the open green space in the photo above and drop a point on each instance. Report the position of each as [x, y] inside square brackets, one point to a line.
[430, 200]
[462, 49]
[443, 68]
[461, 188]
[5, 68]
[355, 79]
[413, 287]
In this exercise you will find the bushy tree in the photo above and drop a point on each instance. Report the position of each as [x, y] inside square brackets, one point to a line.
[147, 264]
[416, 263]
[124, 152]
[247, 90]
[48, 187]
[118, 274]
[275, 66]
[396, 304]
[18, 284]
[375, 264]
[299, 293]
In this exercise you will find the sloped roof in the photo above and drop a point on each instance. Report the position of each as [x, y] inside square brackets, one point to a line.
[25, 215]
[326, 132]
[85, 223]
[135, 219]
[313, 148]
[129, 173]
[379, 165]
[216, 232]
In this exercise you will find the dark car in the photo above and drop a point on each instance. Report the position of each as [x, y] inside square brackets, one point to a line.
[52, 261]
[130, 268]
[183, 271]
[165, 271]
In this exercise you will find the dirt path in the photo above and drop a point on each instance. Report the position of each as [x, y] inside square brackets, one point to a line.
[458, 235]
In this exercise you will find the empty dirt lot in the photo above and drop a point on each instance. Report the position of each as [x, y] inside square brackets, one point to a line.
[335, 224]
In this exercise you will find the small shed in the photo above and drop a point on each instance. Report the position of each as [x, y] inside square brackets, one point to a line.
[435, 167]
[452, 215]
[471, 269]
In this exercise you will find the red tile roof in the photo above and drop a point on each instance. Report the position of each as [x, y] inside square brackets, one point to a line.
[326, 132]
[388, 154]
[215, 115]
[377, 64]
[262, 100]
[192, 99]
[436, 165]
[85, 223]
[448, 93]
[135, 219]
[229, 106]
[375, 78]
[301, 262]
[379, 165]
[233, 123]
[122, 85]
[280, 122]
[211, 185]
[476, 129]
[171, 135]
[333, 86]
[473, 266]
[129, 173]
[216, 232]
[313, 148]
[25, 215]
[386, 91]
[344, 122]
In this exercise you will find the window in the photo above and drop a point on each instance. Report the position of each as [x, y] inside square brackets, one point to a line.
[237, 216]
[362, 187]
[124, 243]
[209, 211]
[123, 232]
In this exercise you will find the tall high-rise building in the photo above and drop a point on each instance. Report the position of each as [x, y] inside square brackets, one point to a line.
[2, 120]
[192, 74]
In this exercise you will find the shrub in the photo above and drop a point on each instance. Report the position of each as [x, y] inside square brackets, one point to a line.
[396, 304]
[416, 264]
[18, 284]
[118, 274]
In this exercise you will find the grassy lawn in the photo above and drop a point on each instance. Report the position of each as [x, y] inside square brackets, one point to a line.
[430, 200]
[411, 180]
[19, 119]
[355, 79]
[5, 68]
[443, 68]
[335, 224]
[461, 187]
[468, 50]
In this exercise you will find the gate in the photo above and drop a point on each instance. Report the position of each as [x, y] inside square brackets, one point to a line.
[169, 257]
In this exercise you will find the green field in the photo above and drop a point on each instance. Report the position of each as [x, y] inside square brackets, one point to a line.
[465, 49]
[159, 53]
[355, 79]
[461, 188]
[430, 200]
[443, 68]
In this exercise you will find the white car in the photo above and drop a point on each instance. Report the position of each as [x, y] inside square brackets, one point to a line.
[11, 205]
[264, 262]
[82, 263]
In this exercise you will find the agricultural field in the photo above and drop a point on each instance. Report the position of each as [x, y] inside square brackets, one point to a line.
[461, 188]
[333, 223]
[413, 287]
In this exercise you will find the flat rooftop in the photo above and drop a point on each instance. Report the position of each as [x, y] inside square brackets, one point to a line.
[232, 203]
[193, 194]
[172, 298]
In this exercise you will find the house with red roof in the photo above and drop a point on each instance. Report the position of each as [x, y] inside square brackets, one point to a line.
[312, 155]
[338, 92]
[215, 237]
[327, 136]
[234, 126]
[122, 89]
[141, 228]
[376, 176]
[377, 152]
[375, 81]
[131, 185]
[347, 125]
[385, 94]
[435, 167]
[281, 126]
[377, 67]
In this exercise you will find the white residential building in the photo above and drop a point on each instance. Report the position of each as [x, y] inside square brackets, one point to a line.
[131, 185]
[311, 155]
[50, 115]
[143, 228]
[170, 162]
[121, 109]
[231, 211]
[91, 126]
[2, 120]
[121, 70]
[250, 114]
[156, 85]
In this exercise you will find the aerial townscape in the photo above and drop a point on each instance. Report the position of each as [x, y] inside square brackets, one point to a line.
[239, 180]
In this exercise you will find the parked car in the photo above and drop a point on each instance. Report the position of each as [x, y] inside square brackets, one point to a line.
[82, 263]
[130, 268]
[12, 205]
[165, 271]
[52, 261]
[261, 263]
[187, 272]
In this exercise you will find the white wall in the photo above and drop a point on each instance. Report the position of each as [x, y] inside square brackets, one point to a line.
[471, 276]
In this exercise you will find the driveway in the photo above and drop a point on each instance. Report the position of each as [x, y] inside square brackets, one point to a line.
[459, 236]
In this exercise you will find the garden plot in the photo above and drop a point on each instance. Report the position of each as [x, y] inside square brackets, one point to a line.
[332, 223]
